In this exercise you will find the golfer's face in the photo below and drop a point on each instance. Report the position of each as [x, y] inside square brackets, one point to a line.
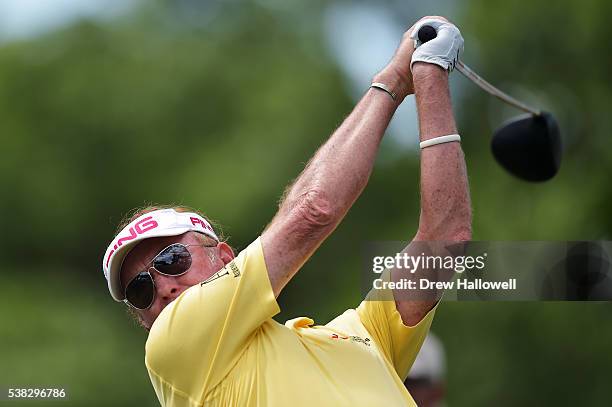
[205, 261]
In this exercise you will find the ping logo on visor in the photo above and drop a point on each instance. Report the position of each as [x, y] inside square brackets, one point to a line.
[140, 227]
[162, 222]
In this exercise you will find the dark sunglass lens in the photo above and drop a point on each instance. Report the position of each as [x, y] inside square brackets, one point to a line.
[140, 291]
[174, 260]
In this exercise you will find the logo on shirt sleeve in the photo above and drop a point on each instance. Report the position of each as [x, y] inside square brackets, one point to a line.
[233, 270]
[352, 338]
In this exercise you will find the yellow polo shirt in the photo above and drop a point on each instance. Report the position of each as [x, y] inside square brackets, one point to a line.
[217, 345]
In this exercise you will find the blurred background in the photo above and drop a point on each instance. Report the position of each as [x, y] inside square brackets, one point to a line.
[107, 105]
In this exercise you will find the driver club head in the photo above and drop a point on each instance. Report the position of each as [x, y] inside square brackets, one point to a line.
[529, 147]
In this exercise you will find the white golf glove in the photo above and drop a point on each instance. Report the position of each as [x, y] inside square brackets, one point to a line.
[444, 50]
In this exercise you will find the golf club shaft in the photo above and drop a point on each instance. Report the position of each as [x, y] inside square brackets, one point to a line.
[487, 87]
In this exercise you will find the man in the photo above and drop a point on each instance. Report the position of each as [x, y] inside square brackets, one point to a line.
[212, 339]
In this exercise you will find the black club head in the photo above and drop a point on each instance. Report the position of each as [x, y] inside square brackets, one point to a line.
[529, 147]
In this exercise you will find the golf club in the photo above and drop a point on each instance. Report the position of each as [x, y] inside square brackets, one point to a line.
[528, 147]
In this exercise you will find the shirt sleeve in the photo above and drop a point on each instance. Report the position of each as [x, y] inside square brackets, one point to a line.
[199, 337]
[399, 343]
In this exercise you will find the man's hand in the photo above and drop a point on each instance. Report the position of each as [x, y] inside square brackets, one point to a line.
[397, 74]
[443, 49]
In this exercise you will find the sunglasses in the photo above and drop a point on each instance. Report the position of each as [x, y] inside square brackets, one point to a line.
[174, 260]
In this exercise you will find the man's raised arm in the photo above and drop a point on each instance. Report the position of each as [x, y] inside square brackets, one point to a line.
[334, 177]
[445, 198]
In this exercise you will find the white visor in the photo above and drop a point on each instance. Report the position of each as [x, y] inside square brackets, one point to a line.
[162, 222]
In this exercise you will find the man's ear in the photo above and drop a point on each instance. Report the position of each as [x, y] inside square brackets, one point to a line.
[225, 252]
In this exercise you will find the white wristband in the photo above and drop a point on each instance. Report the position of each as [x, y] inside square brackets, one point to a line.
[440, 140]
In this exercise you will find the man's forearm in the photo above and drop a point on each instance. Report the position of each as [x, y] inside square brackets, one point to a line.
[445, 199]
[340, 169]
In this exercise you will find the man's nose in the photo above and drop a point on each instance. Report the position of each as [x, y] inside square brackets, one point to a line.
[168, 287]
